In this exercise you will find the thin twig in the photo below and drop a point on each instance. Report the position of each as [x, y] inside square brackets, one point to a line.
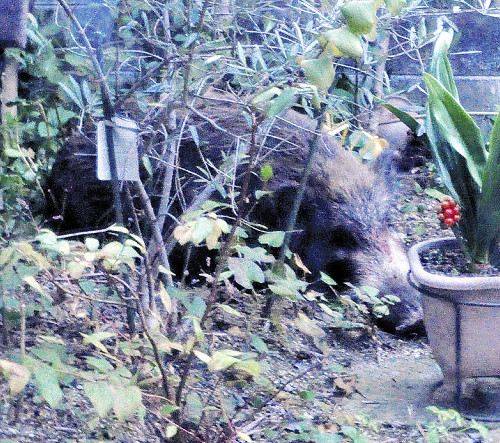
[224, 253]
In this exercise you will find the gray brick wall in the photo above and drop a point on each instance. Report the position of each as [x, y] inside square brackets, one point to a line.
[475, 59]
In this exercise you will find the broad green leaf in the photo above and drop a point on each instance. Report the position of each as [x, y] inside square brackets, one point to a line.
[266, 172]
[241, 54]
[395, 6]
[92, 244]
[256, 254]
[306, 395]
[264, 97]
[342, 42]
[127, 401]
[76, 269]
[326, 437]
[320, 72]
[434, 193]
[170, 431]
[100, 395]
[274, 239]
[193, 408]
[440, 65]
[101, 364]
[169, 409]
[259, 344]
[46, 131]
[251, 367]
[283, 289]
[245, 272]
[370, 291]
[284, 101]
[195, 307]
[96, 339]
[205, 358]
[48, 384]
[354, 434]
[198, 331]
[46, 237]
[244, 437]
[165, 298]
[231, 311]
[325, 278]
[201, 230]
[307, 326]
[31, 282]
[360, 16]
[405, 118]
[489, 201]
[61, 116]
[221, 360]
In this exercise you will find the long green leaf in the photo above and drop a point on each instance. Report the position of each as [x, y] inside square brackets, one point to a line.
[405, 117]
[489, 203]
[457, 127]
[440, 65]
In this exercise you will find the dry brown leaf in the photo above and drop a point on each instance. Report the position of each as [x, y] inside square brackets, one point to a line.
[309, 327]
[17, 375]
[346, 384]
[300, 264]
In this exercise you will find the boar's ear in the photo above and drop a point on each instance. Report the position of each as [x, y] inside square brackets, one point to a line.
[387, 164]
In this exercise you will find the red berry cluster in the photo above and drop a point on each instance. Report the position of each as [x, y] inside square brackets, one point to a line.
[449, 212]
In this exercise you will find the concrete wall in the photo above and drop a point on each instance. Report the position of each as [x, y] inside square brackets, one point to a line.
[475, 58]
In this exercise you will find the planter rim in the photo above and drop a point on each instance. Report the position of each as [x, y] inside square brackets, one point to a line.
[440, 281]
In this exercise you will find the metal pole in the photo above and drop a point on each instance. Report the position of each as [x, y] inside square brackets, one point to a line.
[458, 357]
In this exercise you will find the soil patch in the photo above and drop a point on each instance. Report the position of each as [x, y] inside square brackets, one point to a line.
[452, 261]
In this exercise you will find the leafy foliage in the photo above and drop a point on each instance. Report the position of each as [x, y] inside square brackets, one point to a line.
[160, 57]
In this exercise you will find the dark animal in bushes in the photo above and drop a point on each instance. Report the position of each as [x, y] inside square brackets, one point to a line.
[342, 227]
[76, 200]
[408, 149]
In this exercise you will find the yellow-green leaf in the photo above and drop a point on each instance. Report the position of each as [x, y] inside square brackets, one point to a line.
[30, 281]
[395, 6]
[319, 72]
[100, 395]
[251, 367]
[360, 16]
[17, 375]
[307, 326]
[342, 42]
[96, 339]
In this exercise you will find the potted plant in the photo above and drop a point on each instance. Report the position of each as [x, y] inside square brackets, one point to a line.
[461, 312]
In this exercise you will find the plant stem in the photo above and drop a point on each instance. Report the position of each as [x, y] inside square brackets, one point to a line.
[299, 196]
[224, 254]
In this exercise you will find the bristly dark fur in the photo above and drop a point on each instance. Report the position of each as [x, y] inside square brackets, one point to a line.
[76, 200]
[342, 225]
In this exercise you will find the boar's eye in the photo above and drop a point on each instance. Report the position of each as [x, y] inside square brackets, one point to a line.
[341, 237]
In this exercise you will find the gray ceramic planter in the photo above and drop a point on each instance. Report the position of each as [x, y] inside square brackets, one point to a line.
[461, 316]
